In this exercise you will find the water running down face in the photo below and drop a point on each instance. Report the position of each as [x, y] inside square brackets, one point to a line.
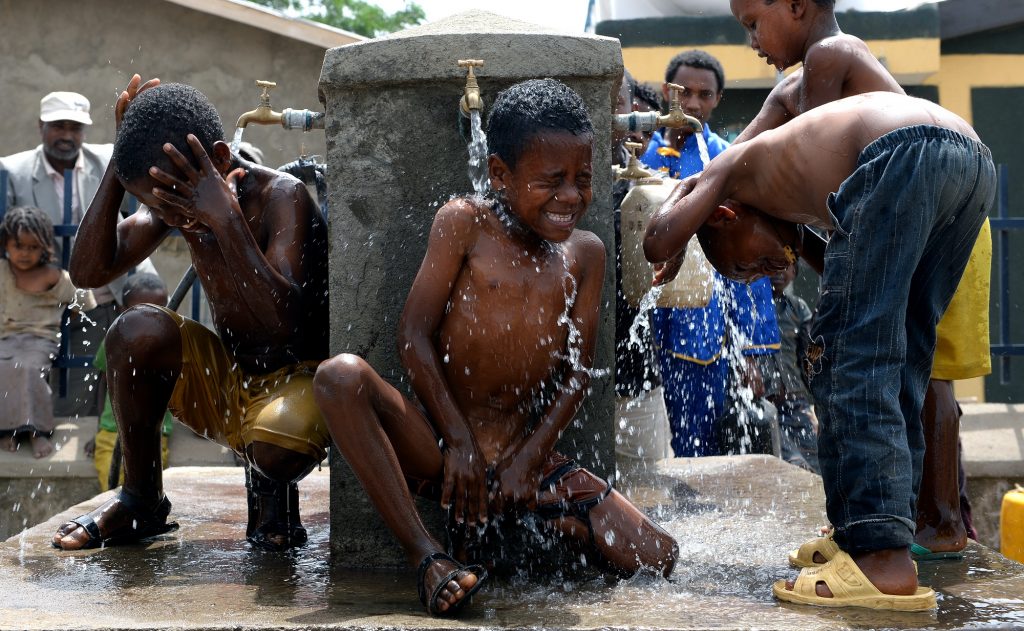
[549, 189]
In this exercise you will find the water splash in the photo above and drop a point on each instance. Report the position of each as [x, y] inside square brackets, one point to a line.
[478, 156]
[702, 150]
[237, 139]
[574, 342]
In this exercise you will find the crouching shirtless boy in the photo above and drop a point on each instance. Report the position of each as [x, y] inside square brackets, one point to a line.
[497, 336]
[259, 246]
[902, 186]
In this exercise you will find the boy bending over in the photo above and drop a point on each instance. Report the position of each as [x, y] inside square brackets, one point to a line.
[498, 337]
[903, 187]
[259, 245]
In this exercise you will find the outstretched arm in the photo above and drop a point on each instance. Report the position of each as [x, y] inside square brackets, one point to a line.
[518, 475]
[451, 238]
[689, 206]
[778, 108]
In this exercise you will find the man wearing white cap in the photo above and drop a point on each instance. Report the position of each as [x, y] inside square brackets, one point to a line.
[36, 178]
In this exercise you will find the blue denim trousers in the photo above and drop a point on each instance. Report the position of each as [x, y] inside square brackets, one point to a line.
[905, 222]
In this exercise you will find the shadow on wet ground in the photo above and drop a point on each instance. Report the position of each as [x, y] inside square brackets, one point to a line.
[735, 519]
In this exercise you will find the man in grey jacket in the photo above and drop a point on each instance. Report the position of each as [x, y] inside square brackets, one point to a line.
[36, 178]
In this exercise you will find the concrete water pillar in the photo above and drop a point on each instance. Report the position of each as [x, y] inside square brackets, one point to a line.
[395, 155]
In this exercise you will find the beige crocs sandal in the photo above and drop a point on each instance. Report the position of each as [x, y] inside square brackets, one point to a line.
[850, 588]
[804, 555]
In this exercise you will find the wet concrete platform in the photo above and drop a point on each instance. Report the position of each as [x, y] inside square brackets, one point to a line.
[735, 519]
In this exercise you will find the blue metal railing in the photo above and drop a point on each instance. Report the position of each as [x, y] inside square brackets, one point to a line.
[66, 231]
[1002, 225]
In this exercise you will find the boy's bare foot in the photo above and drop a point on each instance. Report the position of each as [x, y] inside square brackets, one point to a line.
[445, 585]
[891, 571]
[9, 443]
[41, 446]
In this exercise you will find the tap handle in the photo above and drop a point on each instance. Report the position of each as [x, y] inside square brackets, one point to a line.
[267, 86]
[674, 91]
[469, 64]
[633, 148]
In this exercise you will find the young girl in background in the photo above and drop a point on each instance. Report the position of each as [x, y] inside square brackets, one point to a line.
[33, 295]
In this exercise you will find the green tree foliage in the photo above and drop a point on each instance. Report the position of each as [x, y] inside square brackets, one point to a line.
[357, 16]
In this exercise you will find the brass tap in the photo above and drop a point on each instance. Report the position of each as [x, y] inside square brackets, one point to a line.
[263, 114]
[634, 170]
[471, 99]
[676, 118]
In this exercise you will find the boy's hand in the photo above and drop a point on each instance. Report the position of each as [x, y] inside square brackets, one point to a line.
[465, 484]
[128, 95]
[515, 485]
[666, 272]
[203, 194]
[90, 445]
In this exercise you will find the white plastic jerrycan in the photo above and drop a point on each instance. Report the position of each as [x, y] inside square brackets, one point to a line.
[694, 284]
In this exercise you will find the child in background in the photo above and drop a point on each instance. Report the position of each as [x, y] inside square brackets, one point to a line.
[139, 289]
[789, 393]
[696, 345]
[33, 295]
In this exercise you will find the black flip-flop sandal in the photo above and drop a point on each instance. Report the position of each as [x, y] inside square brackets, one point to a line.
[145, 524]
[421, 574]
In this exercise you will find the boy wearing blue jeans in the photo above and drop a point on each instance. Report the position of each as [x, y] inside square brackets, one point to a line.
[903, 187]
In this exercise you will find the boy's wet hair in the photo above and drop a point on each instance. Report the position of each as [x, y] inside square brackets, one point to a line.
[166, 113]
[696, 59]
[646, 94]
[142, 281]
[31, 220]
[529, 108]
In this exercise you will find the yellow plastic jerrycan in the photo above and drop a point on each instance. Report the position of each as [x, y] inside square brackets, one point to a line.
[692, 286]
[1011, 525]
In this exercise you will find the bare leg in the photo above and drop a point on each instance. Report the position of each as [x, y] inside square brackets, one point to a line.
[384, 437]
[143, 364]
[9, 442]
[939, 526]
[624, 537]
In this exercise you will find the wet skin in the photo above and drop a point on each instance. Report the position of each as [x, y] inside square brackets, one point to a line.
[258, 244]
[787, 173]
[481, 339]
[835, 65]
[939, 524]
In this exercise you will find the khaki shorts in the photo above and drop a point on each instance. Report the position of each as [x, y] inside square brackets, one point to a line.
[218, 400]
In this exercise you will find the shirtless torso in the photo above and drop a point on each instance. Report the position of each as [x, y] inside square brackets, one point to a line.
[505, 335]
